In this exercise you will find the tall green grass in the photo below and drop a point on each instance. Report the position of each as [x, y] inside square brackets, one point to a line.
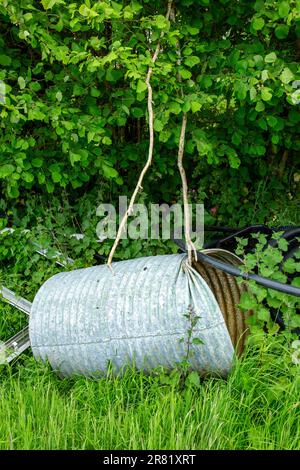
[257, 407]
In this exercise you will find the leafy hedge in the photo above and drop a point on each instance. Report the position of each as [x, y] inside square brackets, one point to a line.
[75, 109]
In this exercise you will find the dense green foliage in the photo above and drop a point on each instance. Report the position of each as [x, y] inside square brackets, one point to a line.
[75, 111]
[270, 262]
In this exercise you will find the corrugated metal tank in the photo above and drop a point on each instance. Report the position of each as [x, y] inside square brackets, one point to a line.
[85, 319]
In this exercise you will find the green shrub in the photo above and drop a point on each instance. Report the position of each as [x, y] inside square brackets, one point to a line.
[75, 109]
[269, 305]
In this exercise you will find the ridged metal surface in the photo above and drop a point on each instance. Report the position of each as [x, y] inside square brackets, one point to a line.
[227, 291]
[83, 319]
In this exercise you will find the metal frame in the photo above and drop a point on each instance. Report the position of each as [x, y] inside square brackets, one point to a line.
[20, 342]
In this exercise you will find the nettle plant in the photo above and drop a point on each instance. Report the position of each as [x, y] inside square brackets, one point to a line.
[75, 108]
[271, 310]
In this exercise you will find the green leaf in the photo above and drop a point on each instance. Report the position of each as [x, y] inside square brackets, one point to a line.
[5, 60]
[185, 74]
[174, 107]
[56, 177]
[37, 162]
[262, 124]
[78, 90]
[271, 120]
[136, 6]
[58, 96]
[192, 60]
[247, 301]
[286, 75]
[74, 157]
[68, 125]
[48, 4]
[283, 9]
[84, 10]
[192, 31]
[161, 22]
[259, 149]
[258, 59]
[21, 82]
[253, 93]
[6, 170]
[241, 89]
[137, 112]
[206, 82]
[111, 57]
[266, 94]
[186, 106]
[141, 86]
[187, 51]
[263, 314]
[125, 109]
[282, 31]
[193, 379]
[270, 58]
[106, 140]
[258, 23]
[197, 341]
[295, 97]
[35, 113]
[234, 161]
[259, 291]
[49, 186]
[290, 266]
[108, 171]
[195, 106]
[164, 135]
[95, 92]
[158, 125]
[280, 124]
[236, 138]
[283, 244]
[41, 178]
[128, 13]
[28, 177]
[264, 75]
[35, 86]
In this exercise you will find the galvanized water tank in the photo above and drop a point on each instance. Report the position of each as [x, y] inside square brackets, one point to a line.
[85, 319]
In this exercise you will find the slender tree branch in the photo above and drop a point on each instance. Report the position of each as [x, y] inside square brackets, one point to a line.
[150, 151]
[187, 216]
